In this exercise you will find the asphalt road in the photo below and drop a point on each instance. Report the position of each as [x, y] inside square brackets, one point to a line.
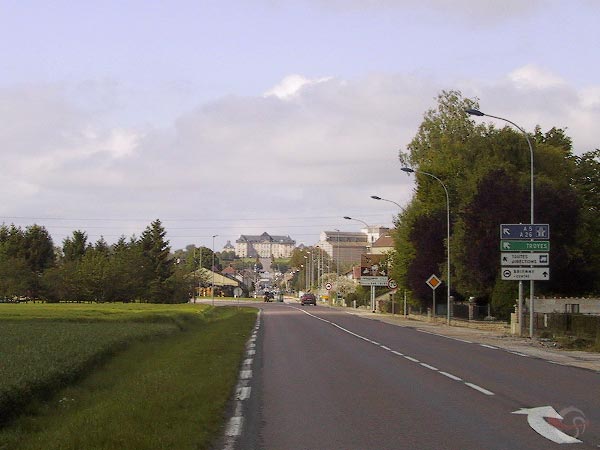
[323, 379]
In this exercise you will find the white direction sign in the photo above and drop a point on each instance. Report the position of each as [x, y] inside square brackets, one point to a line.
[524, 259]
[373, 281]
[525, 273]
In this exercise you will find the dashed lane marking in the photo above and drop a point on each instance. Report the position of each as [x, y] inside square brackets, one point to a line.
[409, 358]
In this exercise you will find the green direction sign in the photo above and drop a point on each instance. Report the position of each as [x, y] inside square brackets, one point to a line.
[524, 246]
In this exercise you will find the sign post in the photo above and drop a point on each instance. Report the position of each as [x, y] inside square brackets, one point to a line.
[433, 282]
[532, 238]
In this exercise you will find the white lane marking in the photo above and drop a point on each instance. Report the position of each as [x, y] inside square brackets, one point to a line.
[248, 362]
[246, 374]
[519, 354]
[443, 336]
[489, 346]
[234, 427]
[243, 393]
[449, 375]
[251, 352]
[479, 388]
[536, 420]
[410, 358]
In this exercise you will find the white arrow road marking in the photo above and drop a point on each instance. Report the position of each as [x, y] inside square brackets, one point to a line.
[535, 418]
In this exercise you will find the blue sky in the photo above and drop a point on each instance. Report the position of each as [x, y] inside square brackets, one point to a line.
[230, 117]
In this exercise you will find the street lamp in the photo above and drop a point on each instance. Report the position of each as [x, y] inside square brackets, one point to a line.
[213, 269]
[375, 197]
[409, 170]
[476, 112]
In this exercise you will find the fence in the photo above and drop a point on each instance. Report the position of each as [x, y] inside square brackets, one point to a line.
[579, 325]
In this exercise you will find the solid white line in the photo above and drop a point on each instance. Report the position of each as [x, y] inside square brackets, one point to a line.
[397, 353]
[479, 388]
[443, 336]
[449, 375]
[429, 367]
[386, 348]
[489, 346]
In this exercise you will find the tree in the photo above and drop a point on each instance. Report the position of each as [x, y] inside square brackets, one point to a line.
[156, 250]
[74, 247]
[39, 248]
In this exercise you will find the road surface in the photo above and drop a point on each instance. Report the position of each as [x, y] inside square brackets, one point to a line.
[319, 378]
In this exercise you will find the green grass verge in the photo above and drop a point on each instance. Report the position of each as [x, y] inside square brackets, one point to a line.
[160, 393]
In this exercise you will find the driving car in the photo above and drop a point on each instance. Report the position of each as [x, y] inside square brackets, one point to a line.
[308, 299]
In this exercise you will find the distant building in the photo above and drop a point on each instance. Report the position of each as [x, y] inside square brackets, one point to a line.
[345, 247]
[229, 247]
[264, 246]
[383, 245]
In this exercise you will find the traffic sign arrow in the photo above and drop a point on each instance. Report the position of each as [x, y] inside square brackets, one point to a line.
[535, 418]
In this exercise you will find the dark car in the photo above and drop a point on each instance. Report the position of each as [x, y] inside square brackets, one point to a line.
[308, 299]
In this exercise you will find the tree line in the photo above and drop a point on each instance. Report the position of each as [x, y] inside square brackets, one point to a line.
[135, 269]
[486, 170]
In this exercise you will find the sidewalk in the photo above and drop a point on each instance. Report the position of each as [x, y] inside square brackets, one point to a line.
[526, 346]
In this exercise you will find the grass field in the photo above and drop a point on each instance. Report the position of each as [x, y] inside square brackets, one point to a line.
[129, 376]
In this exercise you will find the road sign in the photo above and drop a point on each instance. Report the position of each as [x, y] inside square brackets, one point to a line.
[524, 259]
[373, 281]
[433, 282]
[525, 246]
[392, 284]
[525, 273]
[525, 231]
[371, 265]
[328, 286]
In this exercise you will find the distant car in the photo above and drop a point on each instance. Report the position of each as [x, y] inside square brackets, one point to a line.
[308, 299]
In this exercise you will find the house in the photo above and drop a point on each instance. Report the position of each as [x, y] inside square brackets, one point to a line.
[384, 244]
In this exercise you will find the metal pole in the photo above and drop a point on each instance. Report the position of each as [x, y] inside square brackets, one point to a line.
[531, 203]
[409, 170]
[213, 269]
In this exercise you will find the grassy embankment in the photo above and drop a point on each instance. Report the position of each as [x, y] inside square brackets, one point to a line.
[117, 376]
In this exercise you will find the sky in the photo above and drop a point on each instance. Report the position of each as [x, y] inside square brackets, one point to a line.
[242, 117]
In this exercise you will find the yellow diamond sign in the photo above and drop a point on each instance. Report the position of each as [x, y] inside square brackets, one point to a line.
[433, 282]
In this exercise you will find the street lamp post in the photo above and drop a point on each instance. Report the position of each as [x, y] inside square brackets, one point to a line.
[369, 246]
[476, 112]
[409, 170]
[375, 197]
[213, 269]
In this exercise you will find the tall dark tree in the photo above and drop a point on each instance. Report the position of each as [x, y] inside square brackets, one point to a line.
[39, 249]
[74, 247]
[156, 250]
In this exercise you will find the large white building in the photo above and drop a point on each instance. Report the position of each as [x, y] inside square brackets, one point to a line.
[264, 246]
[345, 247]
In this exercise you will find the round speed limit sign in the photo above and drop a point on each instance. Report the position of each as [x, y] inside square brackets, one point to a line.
[392, 284]
[328, 286]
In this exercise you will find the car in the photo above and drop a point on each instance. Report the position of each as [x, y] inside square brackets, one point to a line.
[308, 299]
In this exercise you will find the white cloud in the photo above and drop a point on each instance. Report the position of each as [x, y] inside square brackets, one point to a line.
[291, 85]
[531, 76]
[291, 162]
